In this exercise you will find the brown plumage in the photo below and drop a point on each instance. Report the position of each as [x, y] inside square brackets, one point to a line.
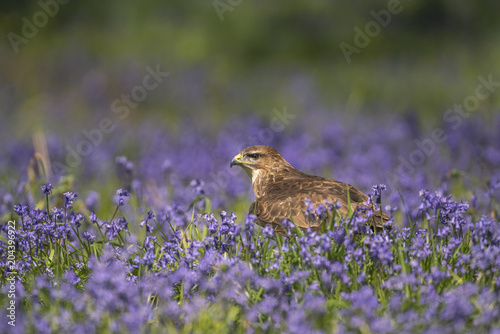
[281, 191]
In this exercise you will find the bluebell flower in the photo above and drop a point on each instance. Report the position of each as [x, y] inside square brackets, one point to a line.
[89, 236]
[58, 214]
[148, 258]
[177, 235]
[288, 226]
[72, 277]
[125, 168]
[49, 272]
[268, 231]
[21, 210]
[213, 226]
[149, 242]
[92, 201]
[379, 248]
[334, 206]
[285, 247]
[377, 192]
[69, 197]
[47, 188]
[121, 195]
[321, 211]
[224, 228]
[198, 187]
[310, 209]
[75, 219]
[122, 222]
[149, 228]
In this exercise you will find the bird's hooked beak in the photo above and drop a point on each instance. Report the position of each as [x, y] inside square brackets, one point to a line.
[237, 160]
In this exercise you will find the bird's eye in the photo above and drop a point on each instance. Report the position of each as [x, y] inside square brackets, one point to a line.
[253, 155]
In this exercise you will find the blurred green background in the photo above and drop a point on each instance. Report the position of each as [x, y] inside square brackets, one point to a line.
[250, 58]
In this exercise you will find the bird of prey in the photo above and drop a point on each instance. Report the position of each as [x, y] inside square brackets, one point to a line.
[281, 192]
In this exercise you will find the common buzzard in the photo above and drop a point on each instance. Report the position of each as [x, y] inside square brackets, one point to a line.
[281, 192]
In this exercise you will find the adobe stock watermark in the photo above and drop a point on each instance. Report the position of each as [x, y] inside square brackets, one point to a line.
[121, 108]
[278, 122]
[11, 272]
[31, 26]
[363, 37]
[454, 116]
[223, 6]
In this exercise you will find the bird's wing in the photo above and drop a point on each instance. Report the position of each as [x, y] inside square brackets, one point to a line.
[272, 212]
[287, 201]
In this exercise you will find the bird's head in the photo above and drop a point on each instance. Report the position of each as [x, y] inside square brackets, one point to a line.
[256, 159]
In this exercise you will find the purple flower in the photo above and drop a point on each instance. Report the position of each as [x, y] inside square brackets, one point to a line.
[198, 187]
[93, 218]
[310, 209]
[177, 235]
[212, 223]
[288, 226]
[21, 210]
[363, 300]
[125, 167]
[333, 206]
[49, 272]
[377, 189]
[321, 211]
[69, 197]
[285, 247]
[89, 236]
[122, 222]
[121, 196]
[92, 201]
[224, 228]
[58, 214]
[268, 231]
[76, 219]
[150, 216]
[114, 227]
[47, 188]
[250, 225]
[379, 248]
[72, 278]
